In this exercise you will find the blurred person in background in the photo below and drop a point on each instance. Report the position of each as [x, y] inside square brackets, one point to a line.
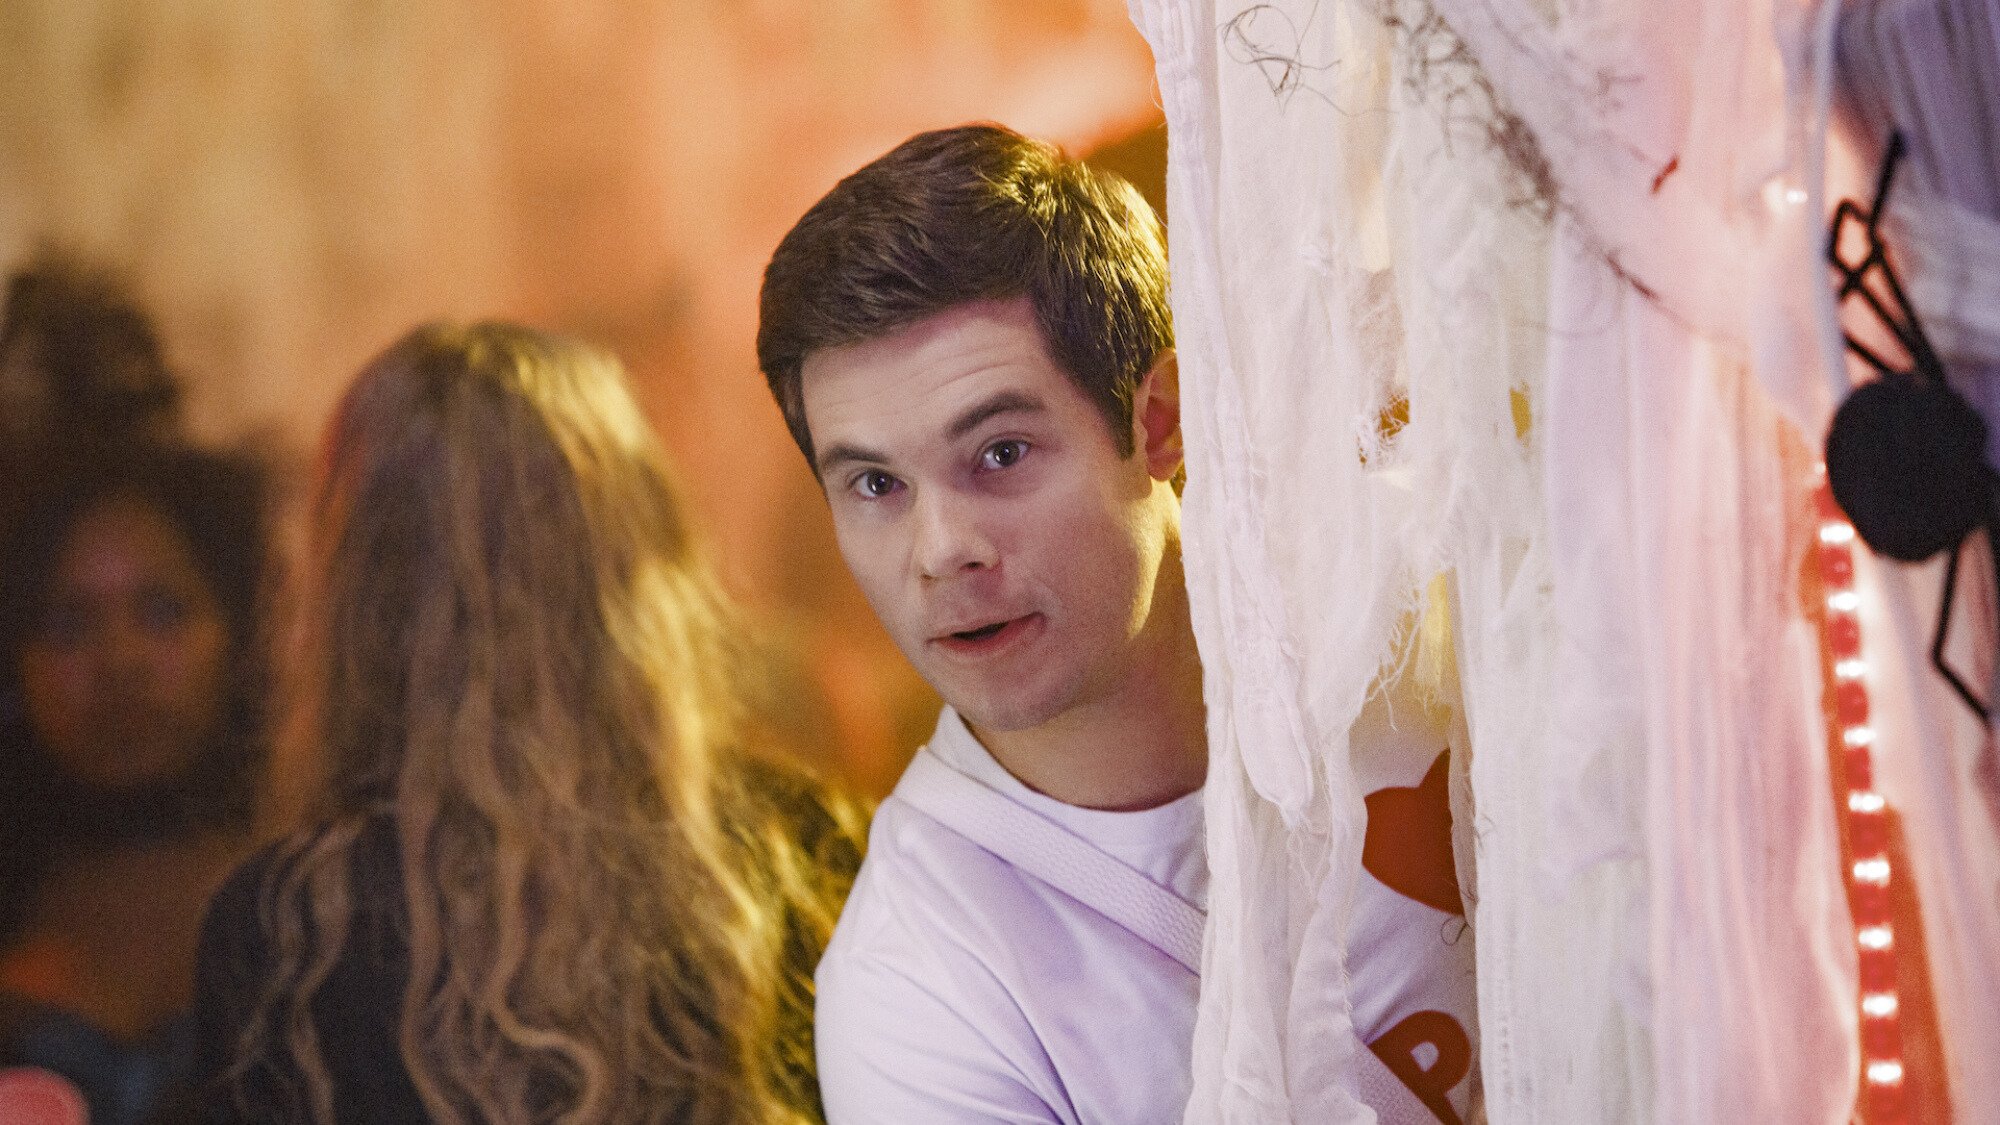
[132, 682]
[550, 866]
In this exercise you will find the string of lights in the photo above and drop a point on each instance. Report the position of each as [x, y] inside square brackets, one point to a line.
[1867, 820]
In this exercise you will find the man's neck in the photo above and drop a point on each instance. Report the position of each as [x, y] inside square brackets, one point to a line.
[1138, 747]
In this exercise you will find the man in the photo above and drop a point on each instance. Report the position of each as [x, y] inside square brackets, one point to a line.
[970, 341]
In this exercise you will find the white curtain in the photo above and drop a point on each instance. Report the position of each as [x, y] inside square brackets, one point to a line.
[1575, 245]
[1931, 69]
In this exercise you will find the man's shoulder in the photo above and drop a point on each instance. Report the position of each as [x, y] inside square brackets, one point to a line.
[920, 882]
[920, 994]
[933, 906]
[958, 979]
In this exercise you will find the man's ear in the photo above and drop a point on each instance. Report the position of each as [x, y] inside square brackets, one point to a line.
[1156, 417]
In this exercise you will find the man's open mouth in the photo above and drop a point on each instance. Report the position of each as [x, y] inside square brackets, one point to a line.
[981, 633]
[990, 638]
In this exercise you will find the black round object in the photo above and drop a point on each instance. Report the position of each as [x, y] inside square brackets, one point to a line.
[1907, 462]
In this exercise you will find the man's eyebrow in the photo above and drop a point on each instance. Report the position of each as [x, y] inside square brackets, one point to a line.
[1006, 402]
[842, 453]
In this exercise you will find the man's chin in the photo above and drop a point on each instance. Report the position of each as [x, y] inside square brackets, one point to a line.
[1003, 697]
[1002, 711]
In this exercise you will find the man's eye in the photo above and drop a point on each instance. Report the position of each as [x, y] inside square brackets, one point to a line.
[875, 484]
[1002, 454]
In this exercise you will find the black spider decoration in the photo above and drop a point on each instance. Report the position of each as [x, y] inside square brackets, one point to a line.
[1906, 454]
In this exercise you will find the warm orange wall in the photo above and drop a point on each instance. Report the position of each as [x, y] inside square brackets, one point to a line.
[294, 184]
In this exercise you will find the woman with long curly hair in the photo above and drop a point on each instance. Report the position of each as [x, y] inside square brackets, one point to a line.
[548, 870]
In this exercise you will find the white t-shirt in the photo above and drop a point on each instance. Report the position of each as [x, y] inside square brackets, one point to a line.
[1409, 950]
[959, 989]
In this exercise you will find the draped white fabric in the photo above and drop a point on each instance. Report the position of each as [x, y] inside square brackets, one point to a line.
[1931, 68]
[1943, 770]
[1575, 246]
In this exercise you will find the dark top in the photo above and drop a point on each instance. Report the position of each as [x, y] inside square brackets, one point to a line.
[124, 1083]
[357, 1012]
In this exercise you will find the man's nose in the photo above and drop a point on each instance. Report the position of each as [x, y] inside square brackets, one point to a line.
[951, 538]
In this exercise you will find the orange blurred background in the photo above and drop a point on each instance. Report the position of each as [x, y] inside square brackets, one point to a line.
[291, 186]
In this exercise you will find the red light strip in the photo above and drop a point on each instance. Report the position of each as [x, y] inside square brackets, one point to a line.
[1867, 818]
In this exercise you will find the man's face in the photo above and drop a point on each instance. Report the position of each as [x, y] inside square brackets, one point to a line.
[984, 508]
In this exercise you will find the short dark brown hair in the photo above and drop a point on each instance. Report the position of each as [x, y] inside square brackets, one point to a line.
[973, 213]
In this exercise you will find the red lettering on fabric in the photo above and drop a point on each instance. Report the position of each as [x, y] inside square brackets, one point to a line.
[1401, 1050]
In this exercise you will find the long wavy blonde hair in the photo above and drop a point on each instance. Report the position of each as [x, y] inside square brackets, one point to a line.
[514, 654]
